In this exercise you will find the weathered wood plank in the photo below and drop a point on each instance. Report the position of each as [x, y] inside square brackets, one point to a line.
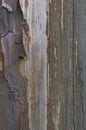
[80, 64]
[36, 15]
[60, 62]
[67, 66]
[54, 65]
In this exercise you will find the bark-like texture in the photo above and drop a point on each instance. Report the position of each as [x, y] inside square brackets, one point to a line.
[13, 86]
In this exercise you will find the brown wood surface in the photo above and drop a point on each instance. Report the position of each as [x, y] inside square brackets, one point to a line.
[55, 65]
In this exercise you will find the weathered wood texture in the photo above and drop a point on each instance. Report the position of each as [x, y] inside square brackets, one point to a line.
[80, 75]
[66, 62]
[36, 64]
[60, 62]
[56, 73]
[55, 65]
[13, 86]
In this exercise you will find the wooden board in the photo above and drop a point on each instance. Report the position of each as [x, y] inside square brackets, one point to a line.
[55, 65]
[59, 103]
